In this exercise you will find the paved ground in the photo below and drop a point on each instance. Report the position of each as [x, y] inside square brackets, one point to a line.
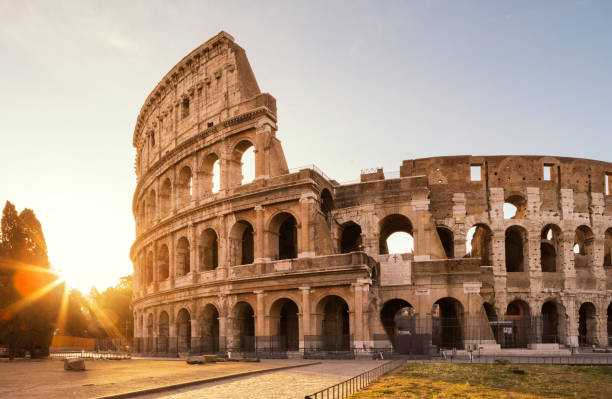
[47, 378]
[285, 384]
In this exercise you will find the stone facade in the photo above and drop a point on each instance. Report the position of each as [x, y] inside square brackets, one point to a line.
[296, 261]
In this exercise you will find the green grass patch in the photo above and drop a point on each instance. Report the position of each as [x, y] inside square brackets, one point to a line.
[459, 380]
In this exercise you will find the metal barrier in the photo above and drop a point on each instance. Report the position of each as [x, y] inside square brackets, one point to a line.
[348, 387]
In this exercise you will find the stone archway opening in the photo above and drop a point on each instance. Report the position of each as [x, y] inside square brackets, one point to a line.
[335, 329]
[284, 325]
[283, 242]
[184, 187]
[243, 327]
[166, 197]
[549, 248]
[609, 314]
[479, 243]
[183, 253]
[447, 323]
[183, 331]
[550, 323]
[447, 239]
[515, 207]
[242, 246]
[516, 249]
[608, 248]
[396, 235]
[396, 315]
[163, 263]
[350, 239]
[517, 332]
[587, 324]
[209, 329]
[583, 247]
[209, 250]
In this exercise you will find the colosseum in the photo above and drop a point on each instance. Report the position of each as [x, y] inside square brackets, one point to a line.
[496, 252]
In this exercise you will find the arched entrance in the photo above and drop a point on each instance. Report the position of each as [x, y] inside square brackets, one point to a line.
[517, 332]
[284, 325]
[398, 319]
[183, 331]
[335, 330]
[610, 324]
[550, 323]
[243, 328]
[447, 322]
[587, 325]
[209, 327]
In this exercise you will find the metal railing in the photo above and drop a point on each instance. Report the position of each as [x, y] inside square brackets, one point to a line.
[348, 387]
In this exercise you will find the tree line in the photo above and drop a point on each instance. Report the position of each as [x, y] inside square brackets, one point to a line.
[35, 303]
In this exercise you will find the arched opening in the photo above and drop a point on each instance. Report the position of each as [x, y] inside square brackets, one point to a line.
[583, 247]
[587, 324]
[241, 172]
[184, 192]
[166, 197]
[515, 207]
[183, 263]
[447, 240]
[350, 239]
[335, 329]
[151, 206]
[516, 249]
[549, 244]
[241, 244]
[608, 248]
[149, 345]
[163, 263]
[209, 250]
[209, 329]
[550, 323]
[447, 322]
[395, 235]
[149, 268]
[183, 331]
[244, 327]
[479, 243]
[327, 203]
[284, 326]
[398, 315]
[283, 237]
[164, 332]
[210, 174]
[518, 331]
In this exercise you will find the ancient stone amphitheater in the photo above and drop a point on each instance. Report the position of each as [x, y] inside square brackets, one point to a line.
[294, 263]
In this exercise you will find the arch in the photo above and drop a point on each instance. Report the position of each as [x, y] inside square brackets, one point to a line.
[447, 323]
[587, 324]
[552, 325]
[183, 330]
[479, 243]
[165, 195]
[209, 250]
[163, 263]
[237, 172]
[209, 329]
[549, 248]
[350, 238]
[518, 315]
[327, 203]
[609, 314]
[282, 233]
[389, 316]
[183, 262]
[243, 331]
[150, 325]
[515, 207]
[149, 274]
[210, 174]
[184, 186]
[164, 332]
[284, 325]
[516, 249]
[333, 326]
[151, 206]
[608, 248]
[391, 224]
[242, 247]
[583, 247]
[447, 239]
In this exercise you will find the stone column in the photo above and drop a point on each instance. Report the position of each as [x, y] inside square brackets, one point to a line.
[304, 317]
[259, 314]
[260, 233]
[223, 331]
[193, 252]
[306, 243]
[358, 338]
[171, 260]
[195, 328]
[571, 329]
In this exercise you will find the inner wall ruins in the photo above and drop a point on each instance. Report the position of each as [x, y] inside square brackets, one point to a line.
[294, 263]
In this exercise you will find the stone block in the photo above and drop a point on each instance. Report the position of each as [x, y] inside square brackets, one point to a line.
[74, 364]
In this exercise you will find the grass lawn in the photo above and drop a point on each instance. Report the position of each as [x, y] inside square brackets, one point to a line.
[456, 380]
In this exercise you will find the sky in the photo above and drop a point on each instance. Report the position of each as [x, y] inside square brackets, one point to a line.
[359, 84]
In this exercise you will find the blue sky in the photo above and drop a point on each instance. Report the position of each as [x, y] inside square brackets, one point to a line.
[359, 84]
